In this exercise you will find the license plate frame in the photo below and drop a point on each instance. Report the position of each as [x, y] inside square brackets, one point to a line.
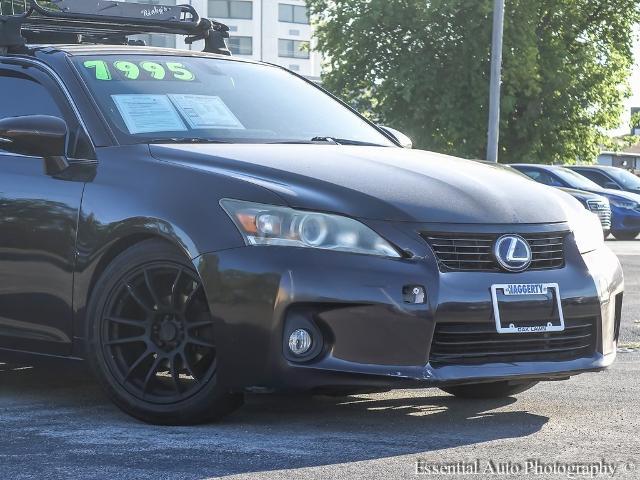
[523, 290]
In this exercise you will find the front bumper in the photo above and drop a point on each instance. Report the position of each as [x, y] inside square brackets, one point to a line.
[625, 220]
[370, 337]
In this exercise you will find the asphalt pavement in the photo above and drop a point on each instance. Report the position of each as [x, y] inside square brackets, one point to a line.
[55, 423]
[629, 254]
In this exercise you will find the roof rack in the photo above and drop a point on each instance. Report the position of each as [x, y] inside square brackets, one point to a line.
[103, 22]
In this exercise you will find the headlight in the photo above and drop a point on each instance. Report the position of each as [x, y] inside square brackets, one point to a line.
[281, 226]
[587, 230]
[626, 204]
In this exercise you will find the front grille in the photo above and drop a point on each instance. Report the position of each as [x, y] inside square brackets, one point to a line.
[472, 344]
[474, 252]
[603, 210]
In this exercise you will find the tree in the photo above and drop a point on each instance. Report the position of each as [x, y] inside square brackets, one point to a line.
[423, 67]
[15, 7]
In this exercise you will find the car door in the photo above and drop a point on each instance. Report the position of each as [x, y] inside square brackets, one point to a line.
[38, 221]
[543, 177]
[600, 178]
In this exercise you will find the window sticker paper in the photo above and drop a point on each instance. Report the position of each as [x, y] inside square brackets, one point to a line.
[148, 113]
[203, 112]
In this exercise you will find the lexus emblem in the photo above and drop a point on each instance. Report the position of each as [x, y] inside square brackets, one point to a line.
[513, 253]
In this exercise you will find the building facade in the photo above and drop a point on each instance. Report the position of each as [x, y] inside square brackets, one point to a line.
[274, 31]
[628, 159]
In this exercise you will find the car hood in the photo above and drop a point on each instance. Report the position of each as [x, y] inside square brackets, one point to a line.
[619, 195]
[582, 194]
[381, 183]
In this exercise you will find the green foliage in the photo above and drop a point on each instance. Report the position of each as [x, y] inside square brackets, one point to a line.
[423, 67]
[10, 7]
[16, 7]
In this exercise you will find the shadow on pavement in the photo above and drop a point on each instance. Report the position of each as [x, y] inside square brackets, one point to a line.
[56, 419]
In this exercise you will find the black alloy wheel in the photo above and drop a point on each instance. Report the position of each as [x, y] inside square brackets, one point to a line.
[152, 338]
[157, 333]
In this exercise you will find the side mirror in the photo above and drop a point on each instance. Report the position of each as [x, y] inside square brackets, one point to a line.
[611, 186]
[401, 138]
[36, 136]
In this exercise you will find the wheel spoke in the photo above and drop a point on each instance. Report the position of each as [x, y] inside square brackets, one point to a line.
[200, 343]
[125, 341]
[174, 289]
[189, 299]
[174, 373]
[137, 363]
[127, 321]
[138, 300]
[187, 365]
[151, 289]
[152, 372]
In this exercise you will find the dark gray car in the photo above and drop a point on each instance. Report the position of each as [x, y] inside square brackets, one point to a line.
[197, 226]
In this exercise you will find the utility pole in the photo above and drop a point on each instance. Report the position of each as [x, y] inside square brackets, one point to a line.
[496, 81]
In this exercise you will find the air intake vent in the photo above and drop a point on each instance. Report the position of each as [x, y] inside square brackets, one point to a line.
[603, 210]
[466, 252]
[470, 343]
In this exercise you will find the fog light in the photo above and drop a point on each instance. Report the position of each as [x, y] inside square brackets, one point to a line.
[300, 342]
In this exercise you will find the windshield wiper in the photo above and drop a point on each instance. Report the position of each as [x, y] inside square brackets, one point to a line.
[329, 140]
[314, 140]
[184, 140]
[344, 141]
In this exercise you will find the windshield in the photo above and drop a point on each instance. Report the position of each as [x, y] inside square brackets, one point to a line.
[174, 98]
[626, 178]
[575, 180]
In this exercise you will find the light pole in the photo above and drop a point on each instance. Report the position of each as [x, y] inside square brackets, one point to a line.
[496, 81]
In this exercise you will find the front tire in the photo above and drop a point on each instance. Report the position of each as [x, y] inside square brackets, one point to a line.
[152, 342]
[625, 235]
[489, 390]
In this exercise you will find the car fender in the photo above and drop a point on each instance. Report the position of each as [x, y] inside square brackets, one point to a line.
[135, 197]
